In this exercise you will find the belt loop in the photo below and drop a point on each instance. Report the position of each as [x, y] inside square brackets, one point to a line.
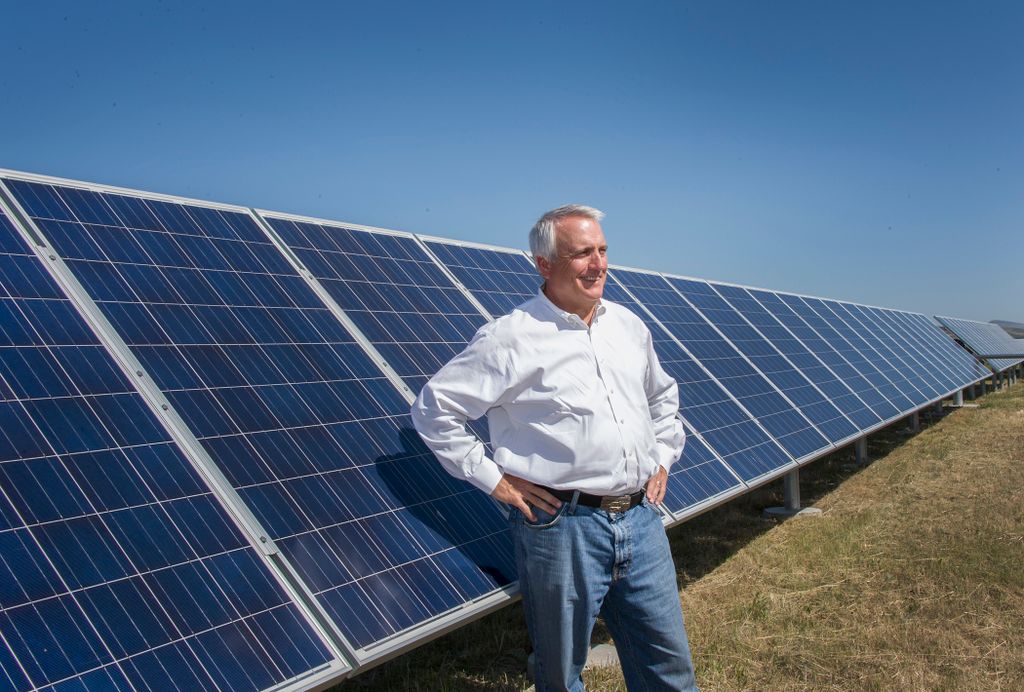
[575, 499]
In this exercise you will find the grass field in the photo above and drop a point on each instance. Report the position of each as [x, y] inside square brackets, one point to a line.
[912, 578]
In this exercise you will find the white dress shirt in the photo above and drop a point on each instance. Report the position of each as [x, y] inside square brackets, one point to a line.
[568, 406]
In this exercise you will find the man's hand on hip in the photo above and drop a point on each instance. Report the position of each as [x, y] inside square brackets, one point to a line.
[524, 496]
[656, 486]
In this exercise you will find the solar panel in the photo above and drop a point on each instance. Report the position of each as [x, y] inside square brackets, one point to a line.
[706, 345]
[399, 298]
[699, 476]
[499, 278]
[829, 347]
[118, 567]
[965, 368]
[760, 352]
[705, 404]
[986, 338]
[883, 352]
[884, 356]
[930, 372]
[308, 430]
[870, 364]
[787, 343]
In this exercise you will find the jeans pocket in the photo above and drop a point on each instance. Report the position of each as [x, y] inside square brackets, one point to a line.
[544, 520]
[657, 509]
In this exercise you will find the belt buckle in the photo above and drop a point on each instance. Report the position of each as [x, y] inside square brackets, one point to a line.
[615, 503]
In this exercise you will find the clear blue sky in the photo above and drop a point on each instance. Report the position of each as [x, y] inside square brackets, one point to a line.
[870, 151]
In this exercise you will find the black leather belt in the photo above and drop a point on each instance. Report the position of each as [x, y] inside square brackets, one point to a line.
[609, 503]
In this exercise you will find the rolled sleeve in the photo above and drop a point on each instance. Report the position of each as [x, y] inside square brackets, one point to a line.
[463, 390]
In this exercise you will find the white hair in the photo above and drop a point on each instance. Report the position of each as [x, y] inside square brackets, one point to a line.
[542, 235]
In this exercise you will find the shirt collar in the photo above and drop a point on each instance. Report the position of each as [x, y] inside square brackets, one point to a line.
[566, 316]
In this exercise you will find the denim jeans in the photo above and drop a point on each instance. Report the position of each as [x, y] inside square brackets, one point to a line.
[583, 561]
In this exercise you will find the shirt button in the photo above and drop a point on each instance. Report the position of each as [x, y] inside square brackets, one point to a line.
[622, 421]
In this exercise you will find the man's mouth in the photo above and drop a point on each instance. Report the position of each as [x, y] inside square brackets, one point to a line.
[592, 278]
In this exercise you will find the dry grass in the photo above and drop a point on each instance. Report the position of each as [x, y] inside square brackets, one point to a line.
[913, 578]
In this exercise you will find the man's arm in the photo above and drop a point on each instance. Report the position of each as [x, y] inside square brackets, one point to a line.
[463, 390]
[663, 403]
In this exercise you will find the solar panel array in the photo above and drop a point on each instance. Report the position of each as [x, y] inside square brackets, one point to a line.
[307, 429]
[118, 567]
[280, 523]
[711, 333]
[986, 338]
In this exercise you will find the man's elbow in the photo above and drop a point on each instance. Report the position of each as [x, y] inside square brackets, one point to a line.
[421, 414]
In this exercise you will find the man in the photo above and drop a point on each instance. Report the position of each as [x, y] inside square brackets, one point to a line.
[583, 427]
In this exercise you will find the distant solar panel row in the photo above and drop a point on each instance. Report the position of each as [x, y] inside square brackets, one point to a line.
[242, 322]
[806, 347]
[985, 338]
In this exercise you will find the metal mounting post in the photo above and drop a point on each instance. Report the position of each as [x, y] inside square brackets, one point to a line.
[915, 421]
[860, 451]
[791, 498]
[958, 398]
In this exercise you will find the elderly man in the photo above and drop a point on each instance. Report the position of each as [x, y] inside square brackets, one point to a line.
[583, 428]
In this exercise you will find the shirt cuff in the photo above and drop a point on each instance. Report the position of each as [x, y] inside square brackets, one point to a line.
[486, 476]
[668, 456]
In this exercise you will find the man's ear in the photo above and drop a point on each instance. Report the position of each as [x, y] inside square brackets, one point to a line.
[543, 266]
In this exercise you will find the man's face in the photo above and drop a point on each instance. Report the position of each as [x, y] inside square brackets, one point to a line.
[574, 281]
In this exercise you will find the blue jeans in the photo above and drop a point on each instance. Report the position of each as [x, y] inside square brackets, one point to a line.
[583, 561]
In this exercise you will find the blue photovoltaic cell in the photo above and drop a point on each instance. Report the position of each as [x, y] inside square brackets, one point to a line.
[827, 345]
[500, 280]
[861, 356]
[766, 359]
[698, 475]
[725, 426]
[394, 292]
[118, 568]
[940, 358]
[930, 380]
[315, 439]
[879, 350]
[787, 425]
[965, 368]
[800, 356]
[985, 337]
